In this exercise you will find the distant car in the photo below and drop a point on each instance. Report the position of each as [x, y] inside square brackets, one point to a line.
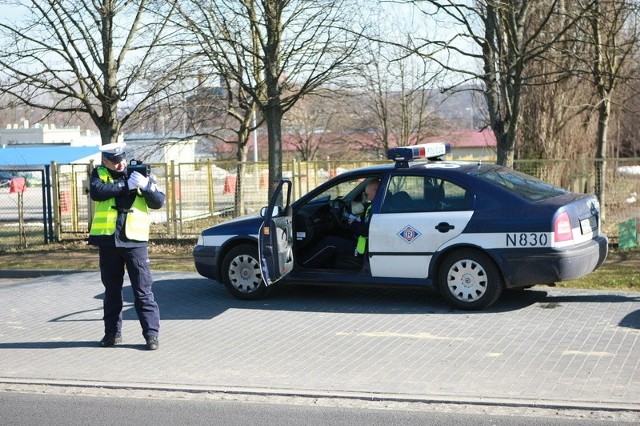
[5, 178]
[468, 230]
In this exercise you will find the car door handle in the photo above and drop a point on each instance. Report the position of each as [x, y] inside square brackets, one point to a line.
[444, 227]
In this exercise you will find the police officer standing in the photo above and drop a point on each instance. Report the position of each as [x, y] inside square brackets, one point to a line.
[120, 229]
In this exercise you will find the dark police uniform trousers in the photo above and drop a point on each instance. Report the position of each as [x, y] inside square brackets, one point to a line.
[118, 252]
[112, 263]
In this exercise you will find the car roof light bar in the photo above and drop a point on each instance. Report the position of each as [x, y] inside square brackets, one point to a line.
[432, 151]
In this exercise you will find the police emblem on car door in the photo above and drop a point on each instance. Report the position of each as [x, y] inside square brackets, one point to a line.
[276, 235]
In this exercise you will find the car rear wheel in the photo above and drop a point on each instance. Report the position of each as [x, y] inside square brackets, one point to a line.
[469, 279]
[241, 273]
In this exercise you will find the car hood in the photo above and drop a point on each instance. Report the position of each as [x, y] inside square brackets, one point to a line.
[243, 225]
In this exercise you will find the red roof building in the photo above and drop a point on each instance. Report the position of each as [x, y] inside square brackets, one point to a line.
[465, 145]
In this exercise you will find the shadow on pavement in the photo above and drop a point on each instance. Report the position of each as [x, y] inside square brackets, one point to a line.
[49, 345]
[593, 298]
[67, 345]
[631, 320]
[197, 299]
[201, 299]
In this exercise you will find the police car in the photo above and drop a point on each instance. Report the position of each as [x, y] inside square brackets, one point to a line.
[468, 230]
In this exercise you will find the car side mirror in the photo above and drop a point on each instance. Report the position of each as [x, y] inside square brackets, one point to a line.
[277, 211]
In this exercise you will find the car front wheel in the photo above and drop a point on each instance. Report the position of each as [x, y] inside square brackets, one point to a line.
[241, 273]
[469, 279]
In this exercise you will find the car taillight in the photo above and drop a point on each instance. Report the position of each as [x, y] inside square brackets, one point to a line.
[562, 228]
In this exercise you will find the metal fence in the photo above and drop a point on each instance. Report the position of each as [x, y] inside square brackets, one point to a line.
[55, 205]
[26, 206]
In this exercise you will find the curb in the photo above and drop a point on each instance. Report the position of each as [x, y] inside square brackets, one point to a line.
[242, 392]
[38, 273]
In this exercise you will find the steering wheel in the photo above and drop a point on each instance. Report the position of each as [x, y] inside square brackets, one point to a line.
[338, 209]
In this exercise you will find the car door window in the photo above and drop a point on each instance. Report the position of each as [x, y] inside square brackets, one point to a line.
[425, 194]
[350, 190]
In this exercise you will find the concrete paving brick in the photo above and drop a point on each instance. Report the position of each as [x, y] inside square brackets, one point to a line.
[542, 346]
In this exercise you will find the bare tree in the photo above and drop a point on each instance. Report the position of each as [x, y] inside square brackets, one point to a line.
[611, 36]
[503, 37]
[397, 104]
[216, 48]
[108, 59]
[276, 51]
[556, 102]
[313, 123]
[629, 125]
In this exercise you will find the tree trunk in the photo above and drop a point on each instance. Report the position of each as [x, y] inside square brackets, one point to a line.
[109, 132]
[241, 156]
[273, 118]
[505, 152]
[604, 111]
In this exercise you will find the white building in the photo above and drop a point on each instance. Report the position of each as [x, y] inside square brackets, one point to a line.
[150, 148]
[42, 134]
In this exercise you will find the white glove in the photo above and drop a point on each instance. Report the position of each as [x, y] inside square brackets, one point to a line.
[131, 184]
[353, 218]
[137, 180]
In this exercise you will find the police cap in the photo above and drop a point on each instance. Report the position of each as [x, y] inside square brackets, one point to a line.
[114, 151]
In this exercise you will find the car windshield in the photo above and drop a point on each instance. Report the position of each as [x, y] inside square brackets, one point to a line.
[347, 190]
[526, 186]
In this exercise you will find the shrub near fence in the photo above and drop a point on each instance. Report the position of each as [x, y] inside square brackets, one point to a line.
[204, 193]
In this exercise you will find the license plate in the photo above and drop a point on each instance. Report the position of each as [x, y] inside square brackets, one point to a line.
[589, 224]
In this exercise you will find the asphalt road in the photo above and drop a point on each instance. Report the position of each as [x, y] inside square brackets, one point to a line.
[81, 410]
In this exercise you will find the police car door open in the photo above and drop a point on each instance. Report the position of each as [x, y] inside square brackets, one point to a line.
[276, 236]
[404, 236]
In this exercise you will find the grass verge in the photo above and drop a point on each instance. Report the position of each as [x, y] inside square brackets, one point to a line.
[78, 255]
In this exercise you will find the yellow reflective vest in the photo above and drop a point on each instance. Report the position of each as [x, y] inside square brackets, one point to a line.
[137, 221]
[361, 245]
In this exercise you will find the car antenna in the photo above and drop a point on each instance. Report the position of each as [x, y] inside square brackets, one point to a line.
[479, 164]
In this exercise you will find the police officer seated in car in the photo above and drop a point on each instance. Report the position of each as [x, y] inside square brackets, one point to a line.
[334, 251]
[120, 229]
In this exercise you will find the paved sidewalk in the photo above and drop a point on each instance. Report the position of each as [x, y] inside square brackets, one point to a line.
[542, 347]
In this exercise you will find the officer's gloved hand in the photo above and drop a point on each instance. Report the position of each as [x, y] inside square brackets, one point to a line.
[137, 180]
[353, 218]
[131, 184]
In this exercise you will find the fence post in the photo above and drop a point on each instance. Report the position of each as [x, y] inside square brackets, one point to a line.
[176, 180]
[90, 205]
[21, 233]
[295, 177]
[47, 204]
[306, 166]
[210, 187]
[73, 200]
[55, 200]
